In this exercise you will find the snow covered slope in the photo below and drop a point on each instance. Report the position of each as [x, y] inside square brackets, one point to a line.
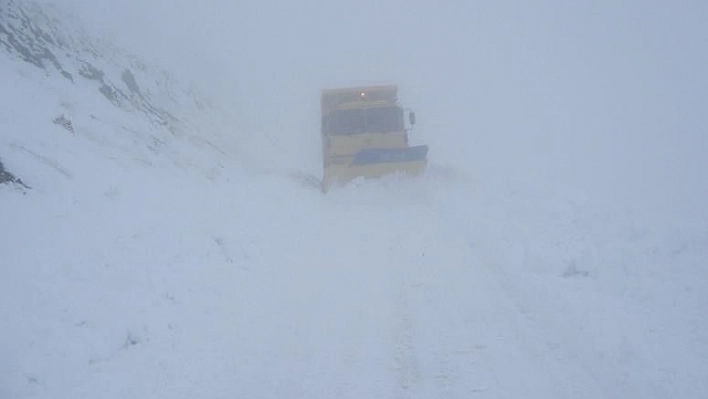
[146, 260]
[87, 86]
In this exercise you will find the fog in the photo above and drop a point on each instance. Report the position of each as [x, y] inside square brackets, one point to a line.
[597, 99]
[148, 256]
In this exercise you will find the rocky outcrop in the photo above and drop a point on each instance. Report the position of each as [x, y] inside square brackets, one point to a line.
[45, 38]
[7, 177]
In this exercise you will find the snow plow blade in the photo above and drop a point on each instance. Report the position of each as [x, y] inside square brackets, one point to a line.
[373, 163]
[371, 156]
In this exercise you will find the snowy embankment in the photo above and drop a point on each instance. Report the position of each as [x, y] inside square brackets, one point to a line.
[143, 263]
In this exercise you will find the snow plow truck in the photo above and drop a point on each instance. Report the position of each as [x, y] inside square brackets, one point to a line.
[364, 135]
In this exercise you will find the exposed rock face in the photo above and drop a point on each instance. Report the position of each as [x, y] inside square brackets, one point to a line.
[7, 177]
[47, 39]
[97, 92]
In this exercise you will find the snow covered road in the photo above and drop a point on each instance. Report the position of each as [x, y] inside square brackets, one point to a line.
[262, 288]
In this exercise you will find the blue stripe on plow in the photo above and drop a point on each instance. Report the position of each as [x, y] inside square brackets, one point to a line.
[386, 155]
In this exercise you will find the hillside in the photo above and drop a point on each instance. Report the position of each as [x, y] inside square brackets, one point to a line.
[151, 252]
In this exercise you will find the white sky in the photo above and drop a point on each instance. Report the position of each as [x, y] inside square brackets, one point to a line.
[605, 95]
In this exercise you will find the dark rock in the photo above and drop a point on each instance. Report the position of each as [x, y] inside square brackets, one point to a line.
[64, 122]
[129, 81]
[7, 177]
[110, 93]
[91, 72]
[573, 271]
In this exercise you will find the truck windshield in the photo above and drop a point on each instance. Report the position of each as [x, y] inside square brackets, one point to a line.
[356, 121]
[382, 120]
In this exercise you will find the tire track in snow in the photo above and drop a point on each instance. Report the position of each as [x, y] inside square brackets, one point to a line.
[479, 341]
[557, 338]
[406, 361]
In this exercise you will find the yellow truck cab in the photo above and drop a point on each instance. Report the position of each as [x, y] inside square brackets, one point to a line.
[364, 135]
